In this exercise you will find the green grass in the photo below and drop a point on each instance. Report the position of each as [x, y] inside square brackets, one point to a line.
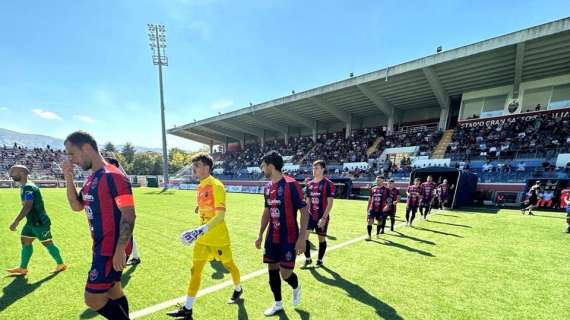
[458, 265]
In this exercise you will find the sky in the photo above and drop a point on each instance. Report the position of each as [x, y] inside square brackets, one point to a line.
[68, 65]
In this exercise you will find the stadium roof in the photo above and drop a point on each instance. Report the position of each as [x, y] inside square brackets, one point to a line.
[534, 53]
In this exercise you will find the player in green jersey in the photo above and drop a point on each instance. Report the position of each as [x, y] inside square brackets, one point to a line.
[37, 222]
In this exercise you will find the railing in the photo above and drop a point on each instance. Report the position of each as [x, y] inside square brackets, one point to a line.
[531, 153]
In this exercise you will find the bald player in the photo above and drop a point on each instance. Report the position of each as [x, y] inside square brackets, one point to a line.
[37, 222]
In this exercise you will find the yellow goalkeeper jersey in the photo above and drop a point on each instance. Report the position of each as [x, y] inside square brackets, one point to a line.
[211, 198]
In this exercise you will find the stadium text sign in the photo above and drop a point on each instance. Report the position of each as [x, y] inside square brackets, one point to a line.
[524, 117]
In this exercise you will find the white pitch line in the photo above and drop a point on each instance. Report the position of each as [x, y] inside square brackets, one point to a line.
[167, 304]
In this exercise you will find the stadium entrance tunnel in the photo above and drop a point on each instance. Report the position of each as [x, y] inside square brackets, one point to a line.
[465, 184]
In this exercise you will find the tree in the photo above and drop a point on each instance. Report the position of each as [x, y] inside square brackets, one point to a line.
[109, 149]
[128, 152]
[147, 163]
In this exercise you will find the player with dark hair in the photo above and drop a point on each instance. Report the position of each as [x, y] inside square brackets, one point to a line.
[426, 192]
[532, 200]
[212, 237]
[390, 202]
[376, 203]
[108, 202]
[443, 191]
[413, 201]
[319, 196]
[284, 240]
[38, 224]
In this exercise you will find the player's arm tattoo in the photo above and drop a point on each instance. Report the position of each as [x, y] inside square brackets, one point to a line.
[127, 225]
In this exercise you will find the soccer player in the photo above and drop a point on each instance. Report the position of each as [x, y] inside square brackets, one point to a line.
[283, 241]
[426, 191]
[443, 194]
[37, 222]
[389, 209]
[135, 256]
[212, 237]
[107, 199]
[375, 206]
[412, 203]
[532, 199]
[319, 196]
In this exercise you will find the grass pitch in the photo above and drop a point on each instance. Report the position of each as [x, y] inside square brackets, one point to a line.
[458, 265]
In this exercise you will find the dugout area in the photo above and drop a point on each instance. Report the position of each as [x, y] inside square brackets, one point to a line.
[463, 194]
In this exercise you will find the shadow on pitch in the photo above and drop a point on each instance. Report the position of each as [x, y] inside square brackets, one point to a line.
[447, 215]
[356, 292]
[125, 278]
[19, 288]
[449, 224]
[493, 210]
[402, 235]
[552, 217]
[438, 232]
[161, 192]
[219, 269]
[242, 312]
[391, 243]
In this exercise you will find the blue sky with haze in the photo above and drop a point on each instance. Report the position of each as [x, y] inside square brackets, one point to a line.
[70, 65]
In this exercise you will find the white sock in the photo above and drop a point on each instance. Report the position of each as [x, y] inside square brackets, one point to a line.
[135, 253]
[237, 288]
[278, 304]
[189, 302]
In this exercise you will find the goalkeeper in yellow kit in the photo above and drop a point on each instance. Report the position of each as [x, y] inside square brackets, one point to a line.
[212, 237]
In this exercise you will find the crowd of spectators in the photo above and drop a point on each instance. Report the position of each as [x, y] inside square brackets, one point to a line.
[543, 137]
[42, 162]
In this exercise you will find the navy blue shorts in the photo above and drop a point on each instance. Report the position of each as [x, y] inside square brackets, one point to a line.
[102, 276]
[282, 253]
[375, 215]
[313, 226]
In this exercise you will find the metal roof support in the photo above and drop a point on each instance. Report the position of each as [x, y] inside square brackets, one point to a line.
[440, 94]
[519, 62]
[327, 106]
[384, 106]
[294, 118]
[260, 133]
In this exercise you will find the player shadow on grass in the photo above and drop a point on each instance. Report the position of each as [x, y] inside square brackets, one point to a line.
[402, 235]
[449, 224]
[125, 278]
[493, 210]
[161, 192]
[391, 243]
[219, 269]
[19, 288]
[552, 217]
[447, 215]
[356, 292]
[439, 232]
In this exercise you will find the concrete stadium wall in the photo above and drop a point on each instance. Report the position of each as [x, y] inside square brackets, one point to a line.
[508, 90]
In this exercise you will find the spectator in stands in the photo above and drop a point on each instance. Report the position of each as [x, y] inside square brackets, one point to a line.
[521, 167]
[538, 107]
[500, 200]
[546, 199]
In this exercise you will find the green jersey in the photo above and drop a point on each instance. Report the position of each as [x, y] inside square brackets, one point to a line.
[37, 215]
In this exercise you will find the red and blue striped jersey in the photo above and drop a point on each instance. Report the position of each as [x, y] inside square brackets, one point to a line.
[414, 196]
[377, 199]
[283, 199]
[426, 189]
[443, 189]
[318, 194]
[103, 194]
[392, 195]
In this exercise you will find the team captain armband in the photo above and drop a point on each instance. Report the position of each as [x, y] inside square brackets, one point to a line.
[125, 200]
